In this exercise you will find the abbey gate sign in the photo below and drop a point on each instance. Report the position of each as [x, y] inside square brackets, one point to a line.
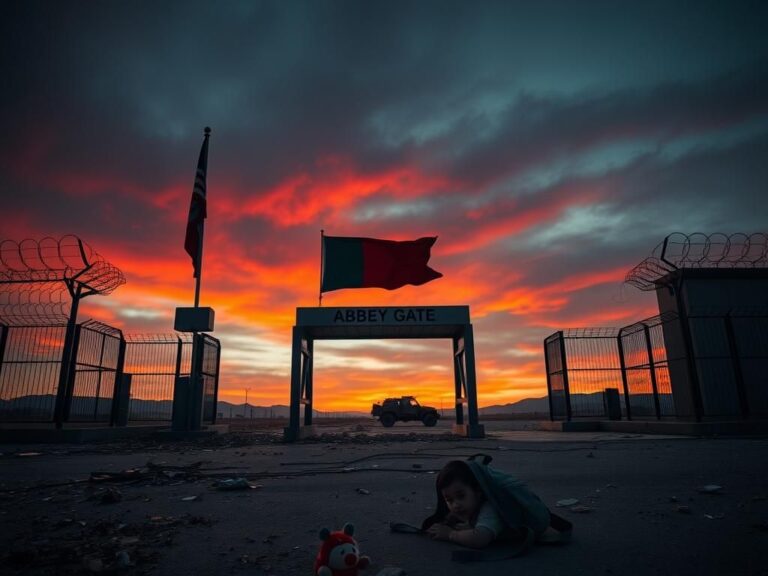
[384, 322]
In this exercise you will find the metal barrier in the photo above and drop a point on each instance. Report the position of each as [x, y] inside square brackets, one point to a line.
[209, 370]
[646, 369]
[96, 368]
[30, 362]
[32, 370]
[722, 371]
[581, 364]
[154, 362]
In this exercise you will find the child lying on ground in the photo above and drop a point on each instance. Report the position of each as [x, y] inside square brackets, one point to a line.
[472, 520]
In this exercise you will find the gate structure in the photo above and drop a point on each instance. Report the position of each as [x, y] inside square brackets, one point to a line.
[384, 322]
[703, 358]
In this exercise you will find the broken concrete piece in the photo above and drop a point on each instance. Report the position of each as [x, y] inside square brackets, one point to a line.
[711, 489]
[391, 572]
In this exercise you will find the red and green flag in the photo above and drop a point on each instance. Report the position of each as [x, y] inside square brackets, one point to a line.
[350, 262]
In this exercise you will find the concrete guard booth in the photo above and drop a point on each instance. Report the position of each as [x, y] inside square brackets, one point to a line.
[376, 323]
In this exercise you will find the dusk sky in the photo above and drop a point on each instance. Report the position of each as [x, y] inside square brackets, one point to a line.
[550, 146]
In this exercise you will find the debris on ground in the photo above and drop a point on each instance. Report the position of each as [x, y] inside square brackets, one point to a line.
[363, 491]
[391, 572]
[123, 560]
[714, 516]
[190, 498]
[110, 496]
[235, 484]
[683, 509]
[104, 546]
[580, 509]
[567, 502]
[711, 489]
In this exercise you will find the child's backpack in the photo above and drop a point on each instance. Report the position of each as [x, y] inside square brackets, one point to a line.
[525, 515]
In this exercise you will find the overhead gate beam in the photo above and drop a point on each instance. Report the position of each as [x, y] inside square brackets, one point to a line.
[450, 322]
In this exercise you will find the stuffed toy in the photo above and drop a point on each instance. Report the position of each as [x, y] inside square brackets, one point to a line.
[339, 554]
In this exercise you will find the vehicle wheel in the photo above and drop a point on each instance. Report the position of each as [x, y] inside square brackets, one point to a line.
[429, 419]
[387, 420]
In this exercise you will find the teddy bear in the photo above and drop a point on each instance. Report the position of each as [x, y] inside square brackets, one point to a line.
[339, 554]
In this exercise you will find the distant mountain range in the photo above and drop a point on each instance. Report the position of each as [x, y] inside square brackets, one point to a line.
[39, 406]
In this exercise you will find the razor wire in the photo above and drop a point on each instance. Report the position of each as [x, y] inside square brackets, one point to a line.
[33, 304]
[698, 250]
[40, 279]
[68, 260]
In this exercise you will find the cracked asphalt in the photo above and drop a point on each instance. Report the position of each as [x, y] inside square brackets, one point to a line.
[152, 506]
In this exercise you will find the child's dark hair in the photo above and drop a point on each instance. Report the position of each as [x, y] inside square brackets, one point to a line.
[457, 470]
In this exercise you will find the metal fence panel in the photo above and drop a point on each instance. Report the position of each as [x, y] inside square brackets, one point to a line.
[153, 362]
[96, 370]
[29, 372]
[729, 353]
[210, 375]
[592, 366]
[555, 381]
[31, 361]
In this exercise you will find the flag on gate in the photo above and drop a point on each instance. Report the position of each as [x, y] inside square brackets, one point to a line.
[198, 209]
[350, 262]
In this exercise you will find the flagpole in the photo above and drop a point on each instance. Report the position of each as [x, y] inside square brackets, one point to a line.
[199, 265]
[320, 293]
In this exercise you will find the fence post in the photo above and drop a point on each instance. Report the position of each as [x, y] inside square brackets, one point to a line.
[3, 343]
[625, 384]
[72, 376]
[195, 400]
[117, 397]
[736, 365]
[61, 408]
[549, 383]
[652, 369]
[566, 387]
[216, 382]
[178, 356]
[98, 382]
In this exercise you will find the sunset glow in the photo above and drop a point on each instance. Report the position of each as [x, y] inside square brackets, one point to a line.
[544, 181]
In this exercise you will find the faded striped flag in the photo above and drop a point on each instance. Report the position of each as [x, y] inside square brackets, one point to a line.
[198, 209]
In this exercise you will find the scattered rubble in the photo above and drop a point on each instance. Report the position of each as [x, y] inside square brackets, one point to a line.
[103, 546]
[711, 489]
[235, 484]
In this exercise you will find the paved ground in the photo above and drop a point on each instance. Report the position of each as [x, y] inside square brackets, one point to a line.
[53, 520]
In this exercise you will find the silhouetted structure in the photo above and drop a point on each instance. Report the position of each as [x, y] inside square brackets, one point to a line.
[54, 369]
[705, 357]
[450, 322]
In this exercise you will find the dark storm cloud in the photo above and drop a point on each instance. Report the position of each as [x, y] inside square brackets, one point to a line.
[128, 86]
